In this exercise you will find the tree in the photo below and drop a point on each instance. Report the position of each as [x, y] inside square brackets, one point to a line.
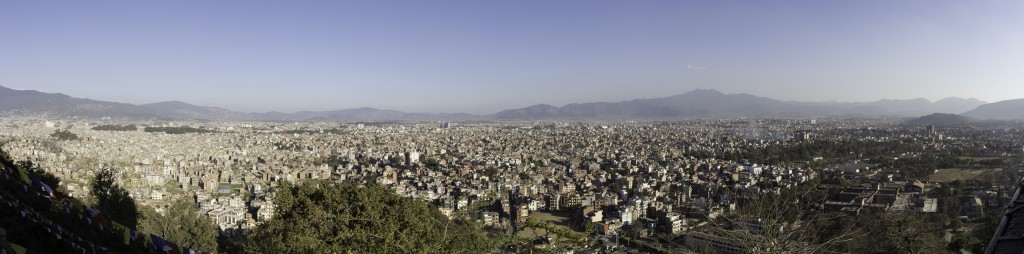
[899, 232]
[45, 177]
[116, 127]
[360, 219]
[4, 156]
[776, 223]
[181, 223]
[64, 135]
[113, 200]
[177, 130]
[966, 241]
[564, 237]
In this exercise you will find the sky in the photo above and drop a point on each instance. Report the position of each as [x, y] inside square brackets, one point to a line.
[486, 56]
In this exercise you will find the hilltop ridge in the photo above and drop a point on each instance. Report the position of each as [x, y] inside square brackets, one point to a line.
[700, 103]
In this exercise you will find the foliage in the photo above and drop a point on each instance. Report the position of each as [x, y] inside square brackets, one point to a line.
[489, 171]
[361, 219]
[4, 156]
[181, 223]
[116, 127]
[396, 161]
[899, 232]
[966, 242]
[43, 176]
[320, 131]
[177, 130]
[949, 198]
[567, 238]
[114, 200]
[334, 161]
[777, 224]
[64, 135]
[37, 234]
[920, 166]
[835, 151]
[431, 163]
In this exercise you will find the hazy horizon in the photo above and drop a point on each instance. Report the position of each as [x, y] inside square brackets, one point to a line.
[483, 57]
[485, 113]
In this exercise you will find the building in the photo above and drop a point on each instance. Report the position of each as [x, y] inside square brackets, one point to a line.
[490, 219]
[265, 212]
[802, 135]
[671, 223]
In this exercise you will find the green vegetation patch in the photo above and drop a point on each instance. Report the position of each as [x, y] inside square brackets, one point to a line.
[173, 186]
[116, 127]
[347, 218]
[178, 130]
[64, 135]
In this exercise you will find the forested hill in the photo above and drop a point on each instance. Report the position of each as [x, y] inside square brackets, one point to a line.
[348, 218]
[36, 218]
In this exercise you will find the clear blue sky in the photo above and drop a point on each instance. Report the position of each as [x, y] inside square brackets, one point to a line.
[483, 56]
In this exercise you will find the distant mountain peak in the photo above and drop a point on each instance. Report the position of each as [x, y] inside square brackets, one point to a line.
[960, 100]
[705, 92]
[541, 106]
[173, 105]
[699, 103]
[177, 103]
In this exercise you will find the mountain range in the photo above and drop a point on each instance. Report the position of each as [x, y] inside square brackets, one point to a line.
[940, 119]
[702, 103]
[1003, 110]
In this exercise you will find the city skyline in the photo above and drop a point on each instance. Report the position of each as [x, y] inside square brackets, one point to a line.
[481, 58]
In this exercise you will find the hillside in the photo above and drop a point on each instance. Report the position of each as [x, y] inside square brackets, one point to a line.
[701, 103]
[706, 103]
[338, 218]
[1003, 110]
[40, 219]
[177, 109]
[56, 105]
[940, 119]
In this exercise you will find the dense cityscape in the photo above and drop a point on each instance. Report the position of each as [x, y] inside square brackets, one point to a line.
[454, 126]
[637, 186]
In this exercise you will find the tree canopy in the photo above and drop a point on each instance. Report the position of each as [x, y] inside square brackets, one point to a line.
[116, 127]
[177, 130]
[361, 219]
[64, 135]
[181, 223]
[114, 200]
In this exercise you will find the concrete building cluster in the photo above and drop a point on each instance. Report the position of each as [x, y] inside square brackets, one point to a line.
[629, 179]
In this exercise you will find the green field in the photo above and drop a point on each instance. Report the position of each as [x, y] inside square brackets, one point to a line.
[173, 187]
[556, 218]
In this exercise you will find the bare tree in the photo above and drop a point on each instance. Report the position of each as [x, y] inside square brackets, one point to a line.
[777, 224]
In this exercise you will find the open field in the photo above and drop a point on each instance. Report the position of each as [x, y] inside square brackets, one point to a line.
[976, 158]
[557, 219]
[951, 174]
[531, 233]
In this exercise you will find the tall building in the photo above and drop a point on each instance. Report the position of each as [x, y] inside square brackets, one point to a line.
[802, 135]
